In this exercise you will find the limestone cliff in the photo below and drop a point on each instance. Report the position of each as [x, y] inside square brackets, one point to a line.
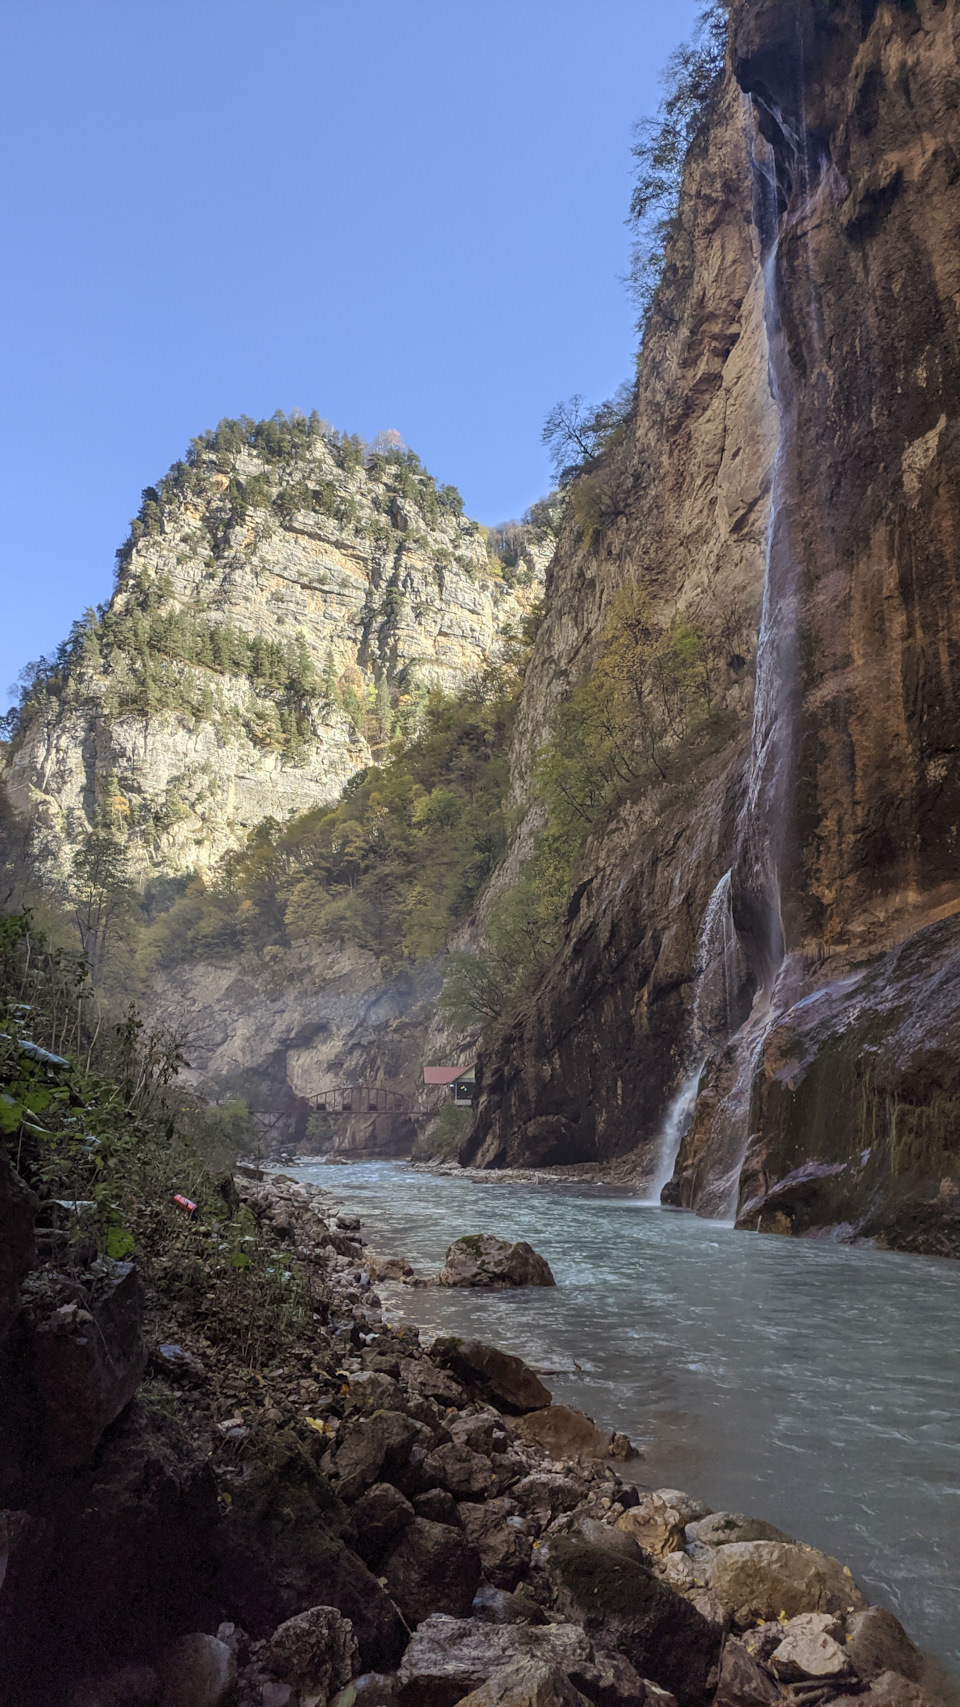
[283, 600]
[785, 922]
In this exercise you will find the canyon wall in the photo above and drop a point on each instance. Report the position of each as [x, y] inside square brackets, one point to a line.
[795, 435]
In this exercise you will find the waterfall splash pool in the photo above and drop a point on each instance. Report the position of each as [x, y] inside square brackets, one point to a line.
[801, 1381]
[811, 1384]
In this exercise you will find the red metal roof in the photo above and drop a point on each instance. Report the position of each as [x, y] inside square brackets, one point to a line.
[441, 1075]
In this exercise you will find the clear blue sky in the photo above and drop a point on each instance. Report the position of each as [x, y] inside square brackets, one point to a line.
[402, 213]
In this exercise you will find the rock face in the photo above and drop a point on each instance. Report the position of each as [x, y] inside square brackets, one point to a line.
[300, 1021]
[794, 434]
[274, 586]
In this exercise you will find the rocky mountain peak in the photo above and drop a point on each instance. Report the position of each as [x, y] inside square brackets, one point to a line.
[285, 600]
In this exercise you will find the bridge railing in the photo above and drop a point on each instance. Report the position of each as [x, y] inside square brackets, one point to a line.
[361, 1099]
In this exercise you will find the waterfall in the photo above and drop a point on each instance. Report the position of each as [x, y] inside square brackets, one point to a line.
[719, 972]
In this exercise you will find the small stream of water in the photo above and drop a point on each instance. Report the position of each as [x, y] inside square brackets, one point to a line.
[811, 1384]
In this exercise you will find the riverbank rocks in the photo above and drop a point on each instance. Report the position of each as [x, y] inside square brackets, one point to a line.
[494, 1375]
[86, 1356]
[658, 1522]
[481, 1259]
[762, 1579]
[621, 1601]
[448, 1659]
[567, 1433]
[810, 1648]
[198, 1671]
[316, 1651]
[877, 1642]
[434, 1567]
[721, 1528]
[281, 1553]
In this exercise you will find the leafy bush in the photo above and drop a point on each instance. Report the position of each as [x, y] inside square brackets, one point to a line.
[662, 145]
[92, 1119]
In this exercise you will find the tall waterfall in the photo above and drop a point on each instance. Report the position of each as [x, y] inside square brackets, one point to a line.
[719, 973]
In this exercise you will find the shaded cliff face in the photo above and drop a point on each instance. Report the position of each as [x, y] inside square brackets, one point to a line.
[279, 1029]
[585, 1074]
[839, 814]
[280, 606]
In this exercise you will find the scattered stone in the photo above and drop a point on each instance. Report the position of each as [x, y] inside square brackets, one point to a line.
[723, 1527]
[437, 1506]
[365, 1444]
[528, 1683]
[810, 1649]
[492, 1374]
[198, 1671]
[459, 1470]
[316, 1651]
[481, 1259]
[498, 1606]
[567, 1433]
[655, 1525]
[877, 1642]
[387, 1268]
[501, 1537]
[432, 1568]
[379, 1516]
[623, 1602]
[765, 1578]
[448, 1658]
[744, 1681]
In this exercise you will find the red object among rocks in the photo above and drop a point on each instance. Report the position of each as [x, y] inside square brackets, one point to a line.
[185, 1204]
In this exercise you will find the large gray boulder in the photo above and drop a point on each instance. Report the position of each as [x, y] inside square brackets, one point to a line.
[877, 1642]
[449, 1658]
[86, 1361]
[621, 1602]
[481, 1259]
[433, 1567]
[567, 1433]
[767, 1578]
[494, 1375]
[722, 1528]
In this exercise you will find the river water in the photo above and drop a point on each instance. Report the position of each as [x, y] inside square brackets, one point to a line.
[811, 1384]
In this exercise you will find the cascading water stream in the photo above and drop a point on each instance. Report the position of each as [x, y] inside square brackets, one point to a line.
[718, 974]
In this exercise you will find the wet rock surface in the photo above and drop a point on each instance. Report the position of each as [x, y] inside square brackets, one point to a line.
[481, 1259]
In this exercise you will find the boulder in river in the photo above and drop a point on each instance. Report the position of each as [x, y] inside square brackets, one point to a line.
[766, 1578]
[491, 1374]
[481, 1259]
[567, 1433]
[877, 1641]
